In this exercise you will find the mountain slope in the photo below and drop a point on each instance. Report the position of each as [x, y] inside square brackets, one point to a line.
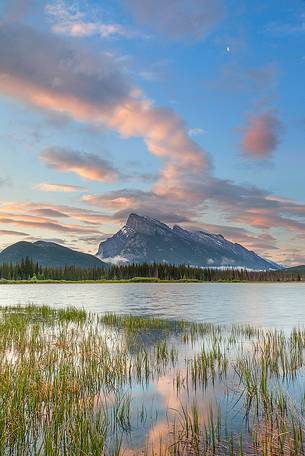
[295, 269]
[49, 254]
[144, 239]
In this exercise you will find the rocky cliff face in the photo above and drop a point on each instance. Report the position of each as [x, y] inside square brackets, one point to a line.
[144, 239]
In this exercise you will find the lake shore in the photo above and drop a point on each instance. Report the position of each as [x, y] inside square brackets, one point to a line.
[139, 280]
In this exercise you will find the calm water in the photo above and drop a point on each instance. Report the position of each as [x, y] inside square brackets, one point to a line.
[267, 305]
[157, 403]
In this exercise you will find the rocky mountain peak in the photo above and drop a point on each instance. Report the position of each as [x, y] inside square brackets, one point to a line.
[178, 228]
[144, 225]
[145, 239]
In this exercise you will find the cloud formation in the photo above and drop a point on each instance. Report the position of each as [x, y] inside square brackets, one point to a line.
[44, 223]
[88, 166]
[79, 225]
[70, 20]
[239, 204]
[80, 214]
[12, 233]
[121, 202]
[49, 212]
[262, 135]
[18, 9]
[178, 19]
[197, 131]
[46, 187]
[46, 72]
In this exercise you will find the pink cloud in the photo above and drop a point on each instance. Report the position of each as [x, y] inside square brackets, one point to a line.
[87, 216]
[87, 166]
[43, 223]
[46, 187]
[262, 135]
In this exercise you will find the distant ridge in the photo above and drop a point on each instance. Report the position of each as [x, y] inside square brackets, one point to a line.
[145, 239]
[295, 269]
[49, 254]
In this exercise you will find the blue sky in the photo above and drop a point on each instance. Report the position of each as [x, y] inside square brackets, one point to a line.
[188, 111]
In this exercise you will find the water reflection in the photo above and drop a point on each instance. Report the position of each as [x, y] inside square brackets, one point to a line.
[183, 400]
[270, 305]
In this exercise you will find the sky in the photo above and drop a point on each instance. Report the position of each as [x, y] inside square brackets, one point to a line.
[188, 111]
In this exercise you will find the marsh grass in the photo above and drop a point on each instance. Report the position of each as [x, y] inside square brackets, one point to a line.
[69, 383]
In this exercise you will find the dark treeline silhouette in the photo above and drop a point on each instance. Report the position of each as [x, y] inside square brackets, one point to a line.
[28, 270]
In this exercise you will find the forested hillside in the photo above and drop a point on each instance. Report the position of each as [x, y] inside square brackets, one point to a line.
[29, 270]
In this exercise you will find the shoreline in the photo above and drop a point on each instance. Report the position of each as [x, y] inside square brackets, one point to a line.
[143, 281]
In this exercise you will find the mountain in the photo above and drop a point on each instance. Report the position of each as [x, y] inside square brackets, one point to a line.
[144, 239]
[295, 269]
[49, 254]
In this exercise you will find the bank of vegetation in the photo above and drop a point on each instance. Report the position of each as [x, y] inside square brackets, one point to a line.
[28, 270]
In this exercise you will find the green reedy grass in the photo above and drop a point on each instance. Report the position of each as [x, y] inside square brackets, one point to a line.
[68, 383]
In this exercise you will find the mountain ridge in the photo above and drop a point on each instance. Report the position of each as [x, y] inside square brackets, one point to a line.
[49, 254]
[146, 239]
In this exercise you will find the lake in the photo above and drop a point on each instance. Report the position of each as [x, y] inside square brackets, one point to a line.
[276, 305]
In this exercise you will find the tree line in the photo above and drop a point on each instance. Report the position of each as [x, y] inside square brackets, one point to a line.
[27, 269]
